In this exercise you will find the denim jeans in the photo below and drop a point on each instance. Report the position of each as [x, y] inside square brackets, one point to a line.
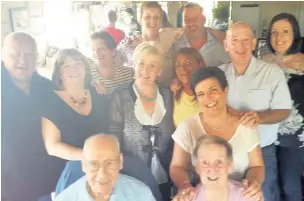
[270, 185]
[132, 166]
[291, 166]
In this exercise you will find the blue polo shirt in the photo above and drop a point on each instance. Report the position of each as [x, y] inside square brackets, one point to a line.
[126, 189]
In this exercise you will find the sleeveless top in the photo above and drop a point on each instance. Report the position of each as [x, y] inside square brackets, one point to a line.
[75, 128]
[291, 130]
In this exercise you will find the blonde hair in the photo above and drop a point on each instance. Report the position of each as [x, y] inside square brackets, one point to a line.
[149, 47]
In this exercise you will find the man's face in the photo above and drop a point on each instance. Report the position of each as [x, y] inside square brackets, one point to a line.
[19, 58]
[194, 21]
[102, 170]
[240, 43]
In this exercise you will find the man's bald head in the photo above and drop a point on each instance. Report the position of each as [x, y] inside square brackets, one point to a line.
[21, 38]
[239, 26]
[19, 54]
[106, 141]
[240, 43]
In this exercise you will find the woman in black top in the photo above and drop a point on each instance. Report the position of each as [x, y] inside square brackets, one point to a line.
[284, 41]
[74, 111]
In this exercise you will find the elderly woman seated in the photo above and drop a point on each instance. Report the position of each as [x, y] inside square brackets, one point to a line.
[213, 163]
[210, 88]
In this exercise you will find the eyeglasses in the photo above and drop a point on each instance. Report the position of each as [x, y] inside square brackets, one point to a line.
[108, 165]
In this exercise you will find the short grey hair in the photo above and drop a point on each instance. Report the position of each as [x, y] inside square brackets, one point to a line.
[148, 47]
[213, 140]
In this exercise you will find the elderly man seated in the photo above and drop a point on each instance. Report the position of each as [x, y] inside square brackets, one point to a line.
[102, 162]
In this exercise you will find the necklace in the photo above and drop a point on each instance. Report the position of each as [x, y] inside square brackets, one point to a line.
[149, 99]
[214, 128]
[82, 102]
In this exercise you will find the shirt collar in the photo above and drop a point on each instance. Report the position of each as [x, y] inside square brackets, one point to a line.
[85, 195]
[251, 69]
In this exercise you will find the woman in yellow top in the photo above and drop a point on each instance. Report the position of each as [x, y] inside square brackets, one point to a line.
[187, 60]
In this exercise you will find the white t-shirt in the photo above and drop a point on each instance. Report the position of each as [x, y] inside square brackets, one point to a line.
[243, 141]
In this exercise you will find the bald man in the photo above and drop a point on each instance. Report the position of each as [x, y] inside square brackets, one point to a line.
[258, 89]
[102, 162]
[27, 171]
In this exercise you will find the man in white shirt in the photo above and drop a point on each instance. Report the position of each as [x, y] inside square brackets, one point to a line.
[102, 162]
[260, 90]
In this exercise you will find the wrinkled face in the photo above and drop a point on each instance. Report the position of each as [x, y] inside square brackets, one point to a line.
[72, 71]
[282, 36]
[102, 53]
[147, 68]
[211, 97]
[151, 20]
[213, 165]
[102, 170]
[194, 21]
[185, 65]
[19, 58]
[240, 43]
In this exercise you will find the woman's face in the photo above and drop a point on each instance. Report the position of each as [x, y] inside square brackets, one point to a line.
[72, 71]
[147, 68]
[102, 53]
[185, 65]
[213, 165]
[281, 36]
[151, 20]
[211, 97]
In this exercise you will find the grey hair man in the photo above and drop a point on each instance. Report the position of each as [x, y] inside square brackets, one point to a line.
[24, 159]
[102, 162]
[258, 89]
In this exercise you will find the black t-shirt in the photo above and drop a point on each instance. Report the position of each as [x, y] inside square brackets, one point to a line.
[75, 128]
[28, 172]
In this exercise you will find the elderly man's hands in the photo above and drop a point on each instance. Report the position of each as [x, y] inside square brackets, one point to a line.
[250, 119]
[187, 194]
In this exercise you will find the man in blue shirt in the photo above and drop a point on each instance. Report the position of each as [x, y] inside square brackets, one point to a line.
[102, 162]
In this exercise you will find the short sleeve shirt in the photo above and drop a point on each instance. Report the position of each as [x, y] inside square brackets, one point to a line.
[243, 142]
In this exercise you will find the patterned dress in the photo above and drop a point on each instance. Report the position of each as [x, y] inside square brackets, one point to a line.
[291, 130]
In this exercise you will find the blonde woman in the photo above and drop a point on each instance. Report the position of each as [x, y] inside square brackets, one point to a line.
[141, 115]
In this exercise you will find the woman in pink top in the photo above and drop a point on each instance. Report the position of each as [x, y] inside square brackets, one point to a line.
[213, 163]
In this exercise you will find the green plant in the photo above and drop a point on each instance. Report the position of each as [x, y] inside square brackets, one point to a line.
[221, 12]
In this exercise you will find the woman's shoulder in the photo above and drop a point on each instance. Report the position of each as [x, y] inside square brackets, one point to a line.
[269, 57]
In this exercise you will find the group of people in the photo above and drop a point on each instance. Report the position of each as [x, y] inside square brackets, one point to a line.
[188, 114]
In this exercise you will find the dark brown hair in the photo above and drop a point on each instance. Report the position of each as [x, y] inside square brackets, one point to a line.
[106, 37]
[190, 52]
[62, 55]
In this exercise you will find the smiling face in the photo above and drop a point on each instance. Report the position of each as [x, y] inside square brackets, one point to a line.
[185, 65]
[19, 57]
[102, 167]
[240, 43]
[72, 72]
[151, 20]
[213, 165]
[282, 36]
[147, 68]
[102, 53]
[211, 97]
[194, 21]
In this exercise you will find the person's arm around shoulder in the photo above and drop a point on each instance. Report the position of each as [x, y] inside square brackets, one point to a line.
[53, 144]
[255, 173]
[181, 162]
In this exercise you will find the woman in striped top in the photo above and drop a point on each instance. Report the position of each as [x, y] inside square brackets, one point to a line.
[106, 75]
